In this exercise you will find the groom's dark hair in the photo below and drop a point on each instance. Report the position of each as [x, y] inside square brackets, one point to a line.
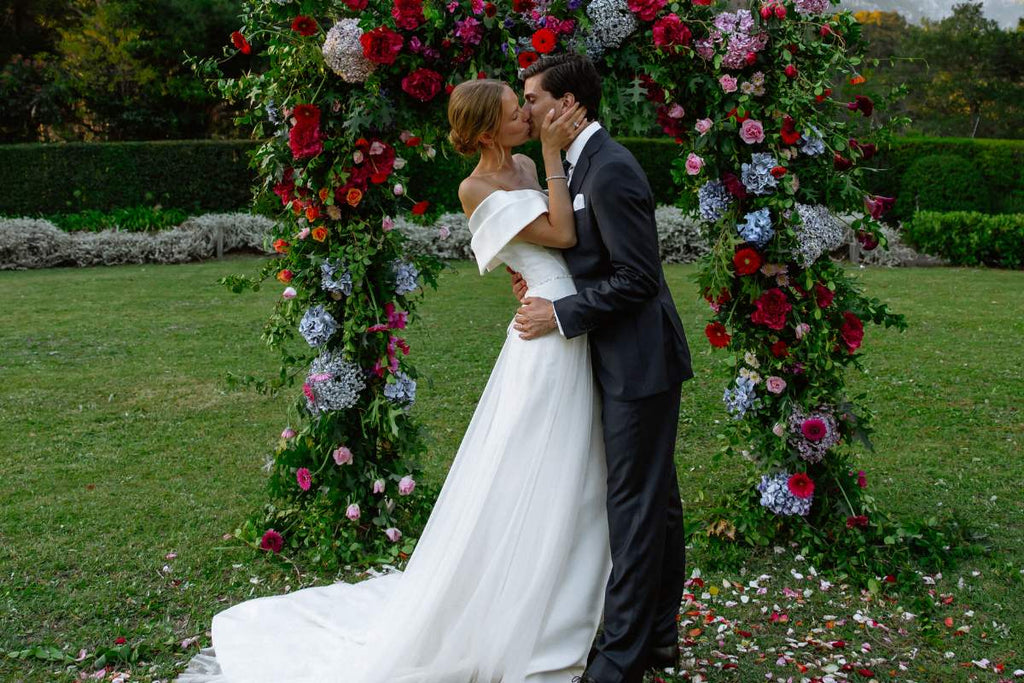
[569, 73]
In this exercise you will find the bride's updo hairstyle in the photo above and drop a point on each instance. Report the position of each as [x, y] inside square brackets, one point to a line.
[474, 109]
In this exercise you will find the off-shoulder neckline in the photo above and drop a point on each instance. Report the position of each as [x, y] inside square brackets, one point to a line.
[485, 199]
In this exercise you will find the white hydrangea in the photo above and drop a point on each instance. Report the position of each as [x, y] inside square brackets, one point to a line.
[343, 53]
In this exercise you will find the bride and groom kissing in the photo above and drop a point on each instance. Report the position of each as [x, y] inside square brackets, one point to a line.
[555, 550]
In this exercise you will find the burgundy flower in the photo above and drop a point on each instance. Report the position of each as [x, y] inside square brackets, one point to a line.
[408, 14]
[823, 295]
[734, 185]
[356, 5]
[522, 5]
[423, 84]
[852, 331]
[673, 126]
[840, 162]
[285, 188]
[813, 429]
[877, 205]
[655, 93]
[862, 103]
[646, 9]
[868, 240]
[670, 31]
[790, 135]
[772, 309]
[780, 349]
[800, 485]
[381, 45]
[304, 138]
[862, 479]
[857, 522]
[272, 541]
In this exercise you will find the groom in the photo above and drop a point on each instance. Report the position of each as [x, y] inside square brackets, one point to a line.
[640, 359]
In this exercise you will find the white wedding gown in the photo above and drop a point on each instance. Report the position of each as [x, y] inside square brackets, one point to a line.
[506, 584]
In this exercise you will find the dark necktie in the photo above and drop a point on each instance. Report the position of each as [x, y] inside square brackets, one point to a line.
[566, 167]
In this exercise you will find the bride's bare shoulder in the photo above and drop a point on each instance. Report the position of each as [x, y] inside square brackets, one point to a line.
[473, 191]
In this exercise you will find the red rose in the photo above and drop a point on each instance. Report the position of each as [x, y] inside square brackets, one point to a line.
[790, 71]
[862, 103]
[766, 12]
[239, 41]
[857, 522]
[840, 162]
[747, 261]
[778, 171]
[490, 9]
[703, 3]
[284, 188]
[285, 276]
[780, 349]
[544, 40]
[527, 58]
[670, 31]
[120, 640]
[305, 26]
[751, 58]
[647, 9]
[734, 115]
[356, 5]
[772, 309]
[420, 208]
[717, 335]
[408, 14]
[381, 45]
[823, 96]
[422, 84]
[780, 12]
[852, 331]
[281, 246]
[522, 5]
[790, 134]
[305, 141]
[800, 485]
[823, 295]
[655, 93]
[868, 240]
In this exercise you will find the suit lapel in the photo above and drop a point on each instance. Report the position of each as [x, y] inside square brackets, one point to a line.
[579, 173]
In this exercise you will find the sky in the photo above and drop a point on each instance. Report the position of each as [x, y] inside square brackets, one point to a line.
[1006, 12]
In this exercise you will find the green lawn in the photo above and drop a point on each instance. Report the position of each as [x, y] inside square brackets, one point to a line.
[125, 458]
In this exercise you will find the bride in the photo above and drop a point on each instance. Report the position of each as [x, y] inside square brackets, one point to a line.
[506, 584]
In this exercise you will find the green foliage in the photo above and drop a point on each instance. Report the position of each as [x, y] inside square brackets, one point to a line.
[74, 177]
[1000, 163]
[942, 182]
[969, 238]
[134, 219]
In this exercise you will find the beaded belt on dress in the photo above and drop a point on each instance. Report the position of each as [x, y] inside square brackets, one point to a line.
[532, 285]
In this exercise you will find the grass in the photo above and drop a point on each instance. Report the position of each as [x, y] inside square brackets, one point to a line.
[124, 459]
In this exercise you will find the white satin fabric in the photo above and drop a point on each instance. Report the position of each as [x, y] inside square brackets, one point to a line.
[506, 583]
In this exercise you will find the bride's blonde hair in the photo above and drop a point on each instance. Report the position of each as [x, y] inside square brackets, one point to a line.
[474, 109]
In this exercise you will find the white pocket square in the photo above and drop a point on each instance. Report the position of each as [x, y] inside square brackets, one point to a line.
[578, 203]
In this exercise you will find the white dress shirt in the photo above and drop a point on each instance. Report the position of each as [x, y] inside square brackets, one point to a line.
[572, 155]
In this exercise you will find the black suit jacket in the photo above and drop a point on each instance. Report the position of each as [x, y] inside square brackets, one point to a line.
[637, 342]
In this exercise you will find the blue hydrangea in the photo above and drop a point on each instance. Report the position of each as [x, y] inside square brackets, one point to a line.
[333, 383]
[406, 277]
[273, 115]
[335, 277]
[776, 496]
[317, 326]
[757, 175]
[402, 391]
[757, 228]
[741, 399]
[811, 143]
[714, 200]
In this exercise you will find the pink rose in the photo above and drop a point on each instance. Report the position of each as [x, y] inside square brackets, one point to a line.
[342, 456]
[353, 512]
[304, 478]
[378, 486]
[703, 126]
[289, 293]
[288, 433]
[303, 234]
[393, 534]
[728, 83]
[388, 224]
[399, 189]
[406, 485]
[676, 111]
[694, 164]
[775, 385]
[752, 131]
[802, 329]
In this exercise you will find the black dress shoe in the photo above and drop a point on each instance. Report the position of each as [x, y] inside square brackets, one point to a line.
[663, 657]
[585, 678]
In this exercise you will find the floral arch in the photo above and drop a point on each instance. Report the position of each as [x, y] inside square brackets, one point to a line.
[349, 90]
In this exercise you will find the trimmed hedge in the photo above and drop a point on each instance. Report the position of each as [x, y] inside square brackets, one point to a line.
[72, 177]
[1000, 164]
[204, 175]
[968, 238]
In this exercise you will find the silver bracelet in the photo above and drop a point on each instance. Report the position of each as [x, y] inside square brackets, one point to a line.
[555, 177]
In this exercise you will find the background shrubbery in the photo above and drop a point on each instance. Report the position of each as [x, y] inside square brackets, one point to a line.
[967, 238]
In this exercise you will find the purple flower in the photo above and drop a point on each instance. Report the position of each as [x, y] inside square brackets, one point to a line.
[406, 485]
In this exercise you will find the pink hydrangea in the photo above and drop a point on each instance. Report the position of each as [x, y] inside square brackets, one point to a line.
[728, 83]
[752, 132]
[304, 478]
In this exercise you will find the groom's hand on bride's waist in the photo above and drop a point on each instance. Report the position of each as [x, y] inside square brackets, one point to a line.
[519, 285]
[535, 318]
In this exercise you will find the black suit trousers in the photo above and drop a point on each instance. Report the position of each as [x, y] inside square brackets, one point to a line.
[648, 545]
